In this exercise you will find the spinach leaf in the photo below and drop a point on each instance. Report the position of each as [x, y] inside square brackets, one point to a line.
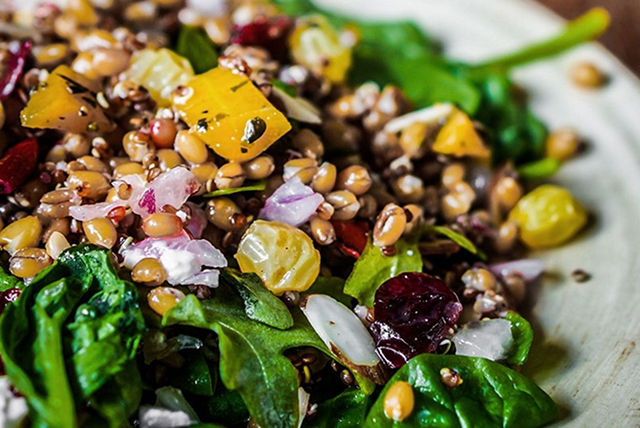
[194, 376]
[331, 286]
[457, 238]
[194, 44]
[226, 408]
[373, 268]
[540, 169]
[251, 354]
[347, 410]
[254, 187]
[522, 338]
[259, 303]
[490, 395]
[80, 326]
[8, 281]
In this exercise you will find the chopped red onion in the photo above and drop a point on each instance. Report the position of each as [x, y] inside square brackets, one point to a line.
[183, 258]
[292, 203]
[198, 220]
[529, 269]
[490, 339]
[92, 211]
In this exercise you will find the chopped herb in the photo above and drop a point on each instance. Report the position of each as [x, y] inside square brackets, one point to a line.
[239, 85]
[254, 187]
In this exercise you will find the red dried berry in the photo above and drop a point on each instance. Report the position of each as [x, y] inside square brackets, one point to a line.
[14, 67]
[268, 33]
[352, 236]
[8, 296]
[17, 164]
[413, 313]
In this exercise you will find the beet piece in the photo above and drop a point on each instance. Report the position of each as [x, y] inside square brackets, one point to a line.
[17, 164]
[413, 313]
[14, 67]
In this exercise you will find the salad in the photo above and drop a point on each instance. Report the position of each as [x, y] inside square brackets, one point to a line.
[264, 214]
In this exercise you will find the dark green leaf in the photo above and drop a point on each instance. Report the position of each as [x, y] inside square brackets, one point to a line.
[540, 169]
[491, 395]
[194, 376]
[331, 286]
[251, 354]
[522, 338]
[226, 407]
[456, 237]
[259, 303]
[373, 268]
[346, 410]
[254, 187]
[284, 87]
[8, 281]
[195, 45]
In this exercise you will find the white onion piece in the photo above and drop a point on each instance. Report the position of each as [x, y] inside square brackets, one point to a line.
[529, 269]
[292, 203]
[341, 330]
[92, 211]
[298, 108]
[430, 115]
[183, 259]
[303, 404]
[490, 339]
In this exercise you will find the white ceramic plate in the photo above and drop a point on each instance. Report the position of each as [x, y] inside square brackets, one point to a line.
[585, 353]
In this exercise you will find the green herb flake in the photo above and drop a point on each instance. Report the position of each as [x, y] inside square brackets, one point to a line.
[253, 187]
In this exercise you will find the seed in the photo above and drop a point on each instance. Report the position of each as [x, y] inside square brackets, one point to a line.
[28, 262]
[220, 212]
[88, 184]
[149, 272]
[450, 377]
[507, 192]
[308, 143]
[56, 244]
[303, 168]
[57, 153]
[109, 61]
[229, 176]
[205, 173]
[322, 231]
[465, 191]
[22, 233]
[345, 204]
[191, 147]
[137, 145]
[412, 139]
[408, 188]
[414, 214]
[587, 75]
[479, 279]
[452, 175]
[77, 145]
[325, 179]
[168, 159]
[516, 286]
[100, 231]
[355, 179]
[93, 164]
[158, 225]
[562, 144]
[61, 225]
[127, 168]
[389, 225]
[259, 168]
[457, 202]
[507, 234]
[399, 401]
[163, 132]
[162, 299]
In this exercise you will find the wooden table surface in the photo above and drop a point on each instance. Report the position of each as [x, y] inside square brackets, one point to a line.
[623, 38]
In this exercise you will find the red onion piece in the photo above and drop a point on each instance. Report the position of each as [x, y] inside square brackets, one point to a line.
[292, 203]
[18, 57]
[93, 211]
[529, 269]
[198, 220]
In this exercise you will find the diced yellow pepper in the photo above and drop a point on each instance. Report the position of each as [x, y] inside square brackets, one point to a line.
[230, 114]
[66, 101]
[459, 138]
[548, 216]
[160, 71]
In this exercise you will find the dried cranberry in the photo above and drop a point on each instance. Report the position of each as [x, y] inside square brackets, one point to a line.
[352, 236]
[413, 312]
[15, 65]
[8, 296]
[268, 33]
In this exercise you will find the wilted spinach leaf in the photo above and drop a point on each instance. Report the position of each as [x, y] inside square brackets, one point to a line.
[522, 338]
[373, 268]
[490, 395]
[194, 44]
[347, 410]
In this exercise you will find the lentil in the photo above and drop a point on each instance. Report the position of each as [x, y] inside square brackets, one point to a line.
[220, 212]
[408, 188]
[168, 159]
[508, 192]
[322, 231]
[163, 132]
[149, 271]
[452, 175]
[308, 143]
[449, 377]
[101, 232]
[22, 233]
[414, 214]
[479, 279]
[259, 168]
[137, 145]
[507, 236]
[303, 168]
[127, 168]
[587, 75]
[28, 262]
[88, 184]
[562, 144]
[91, 163]
[324, 180]
[159, 224]
[162, 299]
[399, 401]
[389, 226]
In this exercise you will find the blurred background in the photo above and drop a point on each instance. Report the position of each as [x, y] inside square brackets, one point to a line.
[623, 38]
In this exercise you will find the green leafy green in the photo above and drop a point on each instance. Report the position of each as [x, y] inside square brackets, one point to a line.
[373, 268]
[456, 237]
[8, 281]
[80, 329]
[194, 44]
[540, 169]
[331, 286]
[522, 338]
[225, 407]
[194, 376]
[254, 187]
[490, 395]
[259, 303]
[347, 410]
[251, 354]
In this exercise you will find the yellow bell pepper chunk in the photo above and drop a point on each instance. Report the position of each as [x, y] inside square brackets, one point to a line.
[66, 101]
[160, 71]
[230, 114]
[548, 216]
[459, 138]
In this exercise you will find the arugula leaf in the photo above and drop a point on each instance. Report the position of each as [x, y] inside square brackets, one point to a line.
[195, 45]
[490, 395]
[331, 286]
[254, 187]
[373, 268]
[80, 326]
[346, 410]
[456, 237]
[522, 338]
[540, 169]
[251, 354]
[259, 303]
